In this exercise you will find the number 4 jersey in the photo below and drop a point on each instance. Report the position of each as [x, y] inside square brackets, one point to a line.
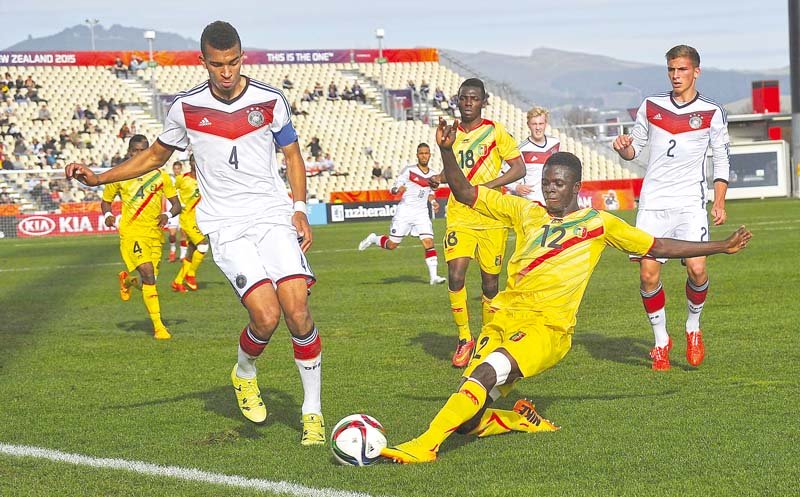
[234, 145]
[679, 136]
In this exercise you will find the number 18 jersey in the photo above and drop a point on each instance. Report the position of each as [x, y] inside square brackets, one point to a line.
[234, 145]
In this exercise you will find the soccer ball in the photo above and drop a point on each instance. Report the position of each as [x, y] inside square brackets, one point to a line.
[357, 440]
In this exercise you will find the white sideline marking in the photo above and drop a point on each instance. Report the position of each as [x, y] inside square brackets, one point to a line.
[191, 474]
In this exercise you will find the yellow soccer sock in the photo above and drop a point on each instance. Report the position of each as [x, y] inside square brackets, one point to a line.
[499, 421]
[182, 272]
[150, 296]
[197, 258]
[459, 408]
[486, 307]
[458, 305]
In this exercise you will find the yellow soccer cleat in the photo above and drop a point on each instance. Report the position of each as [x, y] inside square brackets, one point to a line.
[313, 430]
[124, 289]
[248, 397]
[525, 408]
[161, 333]
[411, 452]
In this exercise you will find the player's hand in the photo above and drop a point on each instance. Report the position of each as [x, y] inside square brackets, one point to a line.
[304, 236]
[434, 181]
[446, 134]
[399, 190]
[81, 173]
[719, 215]
[162, 220]
[523, 190]
[738, 240]
[622, 142]
[110, 221]
[435, 205]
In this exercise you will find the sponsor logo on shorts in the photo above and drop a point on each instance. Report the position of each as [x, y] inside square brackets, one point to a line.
[241, 281]
[516, 337]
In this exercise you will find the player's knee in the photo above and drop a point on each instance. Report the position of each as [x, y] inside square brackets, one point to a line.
[484, 375]
[455, 279]
[263, 323]
[649, 279]
[390, 245]
[298, 320]
[202, 248]
[490, 288]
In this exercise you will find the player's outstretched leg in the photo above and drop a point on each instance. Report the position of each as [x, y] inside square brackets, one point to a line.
[243, 377]
[191, 272]
[308, 357]
[151, 302]
[177, 283]
[695, 300]
[432, 261]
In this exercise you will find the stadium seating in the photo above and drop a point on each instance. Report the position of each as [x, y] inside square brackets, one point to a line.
[346, 129]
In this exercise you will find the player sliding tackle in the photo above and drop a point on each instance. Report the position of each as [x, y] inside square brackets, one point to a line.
[557, 250]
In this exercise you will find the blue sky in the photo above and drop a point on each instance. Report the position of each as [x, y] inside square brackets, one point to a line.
[730, 34]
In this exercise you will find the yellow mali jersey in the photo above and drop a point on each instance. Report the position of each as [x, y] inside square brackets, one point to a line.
[554, 258]
[480, 153]
[141, 201]
[189, 195]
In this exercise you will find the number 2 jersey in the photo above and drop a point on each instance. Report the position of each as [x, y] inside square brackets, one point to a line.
[554, 257]
[142, 199]
[234, 145]
[480, 154]
[678, 136]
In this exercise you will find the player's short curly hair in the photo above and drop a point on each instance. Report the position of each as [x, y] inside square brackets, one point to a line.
[220, 35]
[568, 160]
[138, 139]
[423, 145]
[684, 51]
[474, 83]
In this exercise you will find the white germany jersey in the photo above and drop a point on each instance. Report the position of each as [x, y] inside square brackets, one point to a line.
[415, 198]
[534, 157]
[678, 137]
[234, 145]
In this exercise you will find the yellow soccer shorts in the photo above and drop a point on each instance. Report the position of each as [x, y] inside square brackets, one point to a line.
[193, 233]
[524, 335]
[487, 246]
[140, 247]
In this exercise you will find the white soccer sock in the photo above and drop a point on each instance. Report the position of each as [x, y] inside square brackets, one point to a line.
[698, 294]
[655, 307]
[433, 265]
[183, 251]
[311, 377]
[246, 368]
[172, 247]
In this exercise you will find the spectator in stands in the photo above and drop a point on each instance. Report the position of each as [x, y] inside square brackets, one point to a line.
[102, 105]
[20, 147]
[4, 89]
[326, 164]
[120, 68]
[30, 84]
[44, 114]
[20, 98]
[297, 111]
[308, 96]
[133, 128]
[358, 93]
[87, 127]
[377, 172]
[439, 97]
[452, 106]
[318, 90]
[124, 131]
[33, 96]
[315, 148]
[36, 147]
[424, 89]
[105, 162]
[368, 152]
[51, 158]
[5, 197]
[287, 83]
[13, 130]
[111, 110]
[63, 138]
[116, 160]
[18, 83]
[75, 138]
[347, 93]
[412, 86]
[87, 114]
[78, 113]
[387, 173]
[333, 91]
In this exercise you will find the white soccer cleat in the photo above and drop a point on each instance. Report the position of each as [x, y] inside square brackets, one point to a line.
[367, 242]
[437, 280]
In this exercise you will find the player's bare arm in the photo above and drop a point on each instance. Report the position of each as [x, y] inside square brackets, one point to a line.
[397, 190]
[174, 210]
[149, 160]
[623, 145]
[515, 171]
[718, 207]
[462, 190]
[109, 219]
[434, 203]
[668, 247]
[296, 175]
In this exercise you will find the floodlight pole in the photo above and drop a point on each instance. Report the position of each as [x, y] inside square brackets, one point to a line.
[92, 23]
[379, 34]
[150, 36]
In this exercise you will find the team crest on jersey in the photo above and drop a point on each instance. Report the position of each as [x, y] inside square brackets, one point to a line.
[695, 121]
[516, 337]
[579, 231]
[255, 117]
[241, 281]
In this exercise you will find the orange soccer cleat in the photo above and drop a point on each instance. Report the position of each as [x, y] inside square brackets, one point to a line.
[172, 257]
[190, 282]
[178, 287]
[463, 353]
[695, 350]
[660, 356]
[124, 288]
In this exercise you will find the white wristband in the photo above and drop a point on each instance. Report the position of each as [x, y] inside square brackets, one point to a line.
[168, 214]
[300, 206]
[108, 215]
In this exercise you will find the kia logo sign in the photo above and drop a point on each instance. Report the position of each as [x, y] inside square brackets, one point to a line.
[36, 226]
